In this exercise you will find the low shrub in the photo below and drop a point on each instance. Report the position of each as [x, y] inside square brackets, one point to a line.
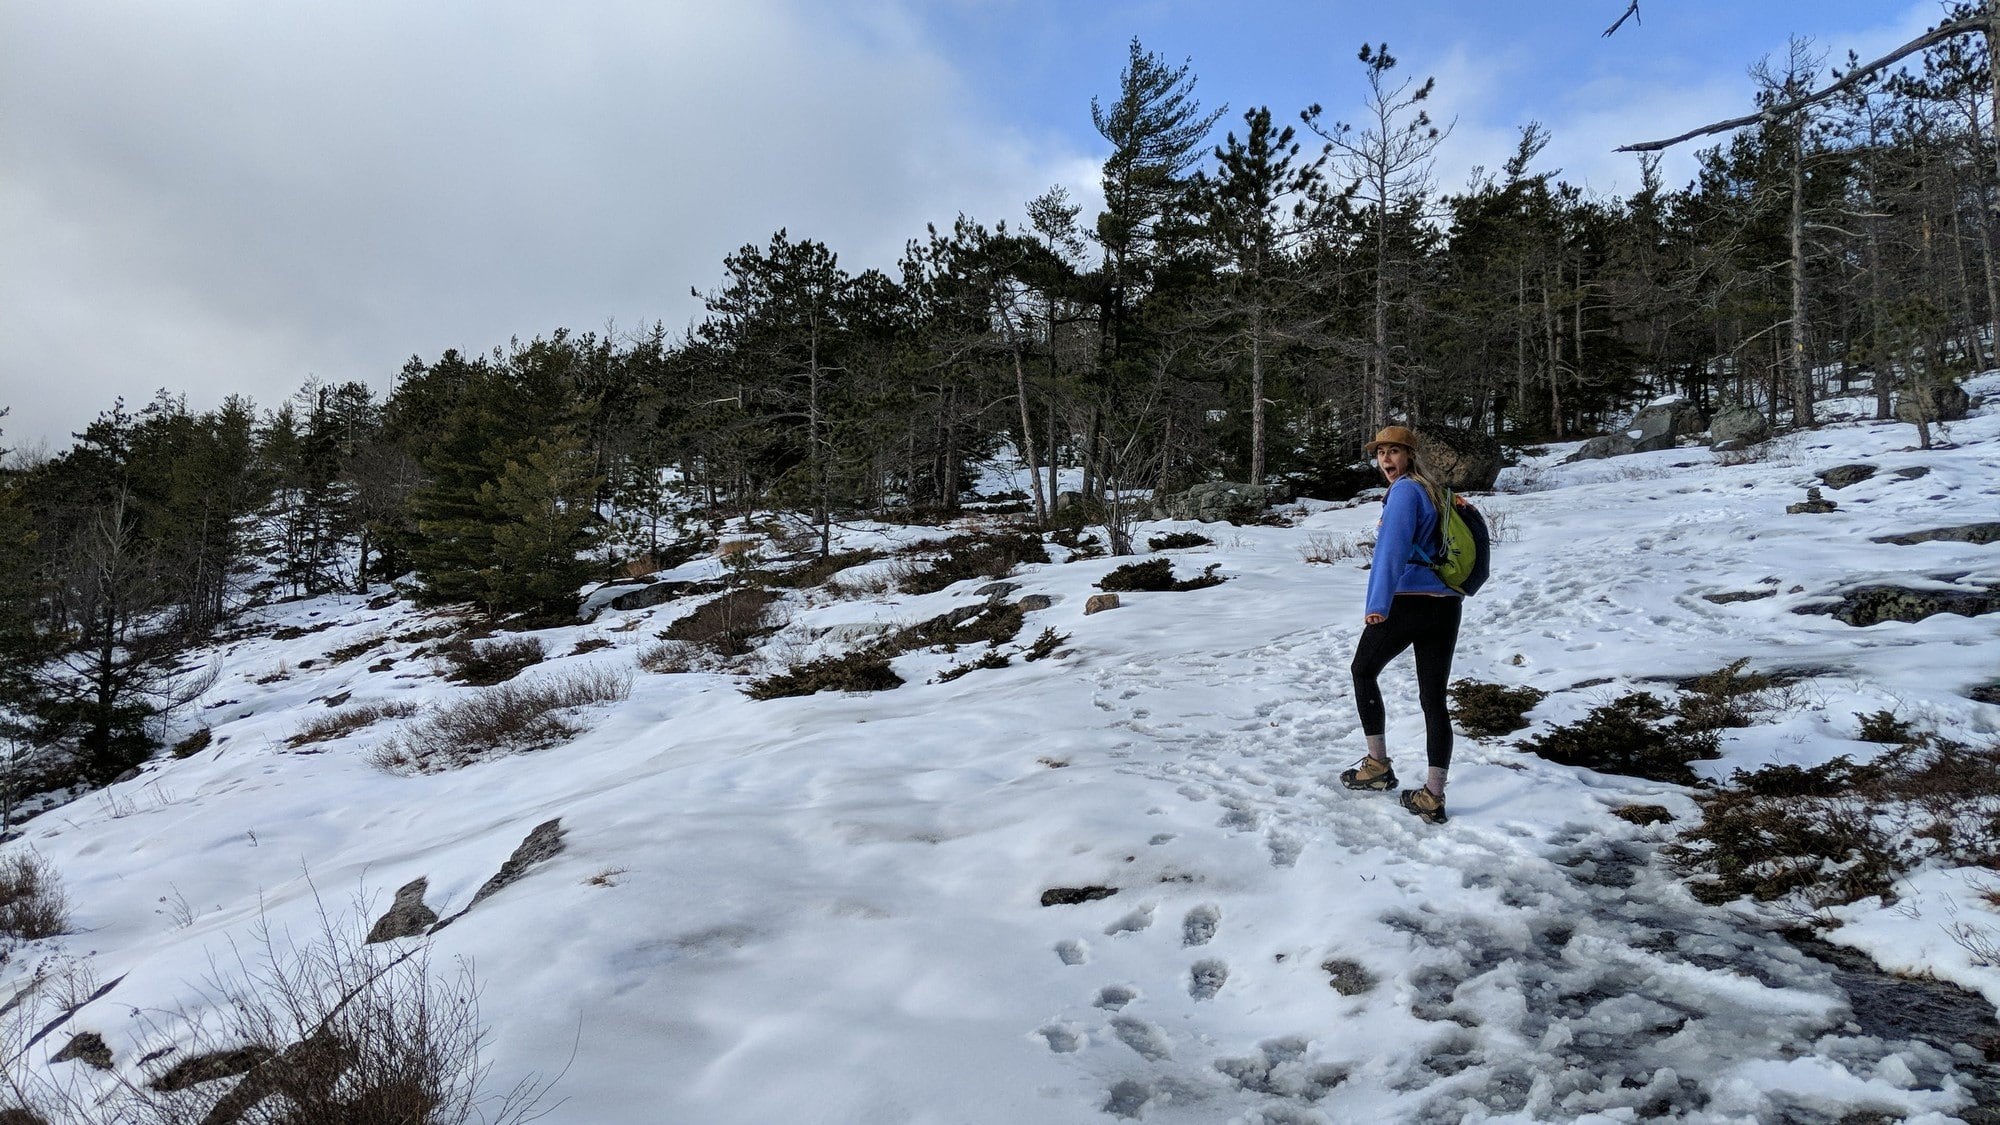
[359, 648]
[1156, 574]
[194, 743]
[485, 663]
[863, 670]
[1324, 548]
[32, 902]
[1629, 736]
[511, 718]
[815, 572]
[728, 625]
[1484, 710]
[1044, 646]
[971, 556]
[991, 658]
[1725, 699]
[336, 724]
[993, 623]
[1885, 727]
[1820, 836]
[1179, 540]
[668, 657]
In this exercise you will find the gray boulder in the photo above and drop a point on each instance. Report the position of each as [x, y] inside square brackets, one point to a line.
[1737, 427]
[1216, 501]
[1948, 403]
[1658, 426]
[1610, 445]
[1841, 476]
[542, 844]
[1462, 460]
[407, 916]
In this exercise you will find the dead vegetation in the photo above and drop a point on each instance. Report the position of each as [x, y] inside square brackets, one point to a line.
[32, 902]
[485, 663]
[1157, 574]
[511, 718]
[347, 720]
[1820, 836]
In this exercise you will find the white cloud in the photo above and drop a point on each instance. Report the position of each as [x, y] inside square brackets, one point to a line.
[229, 196]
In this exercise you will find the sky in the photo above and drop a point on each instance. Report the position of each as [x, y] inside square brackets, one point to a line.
[233, 196]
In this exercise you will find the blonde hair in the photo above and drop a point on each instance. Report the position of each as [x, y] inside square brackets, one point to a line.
[1420, 471]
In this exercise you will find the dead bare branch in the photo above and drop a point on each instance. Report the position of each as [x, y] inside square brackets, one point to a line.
[1631, 10]
[1853, 76]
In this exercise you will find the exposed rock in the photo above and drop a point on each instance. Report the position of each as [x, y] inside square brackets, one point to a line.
[1347, 977]
[1215, 501]
[1462, 460]
[1100, 602]
[1643, 814]
[1067, 500]
[1912, 472]
[1840, 476]
[1657, 426]
[1871, 605]
[407, 916]
[997, 590]
[1976, 533]
[659, 593]
[1071, 896]
[1739, 596]
[209, 1067]
[1814, 504]
[543, 843]
[87, 1047]
[1033, 602]
[1985, 693]
[1743, 425]
[1948, 403]
[1599, 448]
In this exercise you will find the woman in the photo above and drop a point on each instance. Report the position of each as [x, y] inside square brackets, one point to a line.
[1408, 606]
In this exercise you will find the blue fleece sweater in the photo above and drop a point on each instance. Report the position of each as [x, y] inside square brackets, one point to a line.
[1408, 518]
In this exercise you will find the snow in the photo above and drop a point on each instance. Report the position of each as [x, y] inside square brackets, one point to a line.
[827, 909]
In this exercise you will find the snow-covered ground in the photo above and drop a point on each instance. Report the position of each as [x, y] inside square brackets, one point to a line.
[828, 909]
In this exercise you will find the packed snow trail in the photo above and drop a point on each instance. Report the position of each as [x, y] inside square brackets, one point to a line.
[1518, 970]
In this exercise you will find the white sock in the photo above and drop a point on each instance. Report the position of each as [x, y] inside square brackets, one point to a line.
[1435, 783]
[1378, 747]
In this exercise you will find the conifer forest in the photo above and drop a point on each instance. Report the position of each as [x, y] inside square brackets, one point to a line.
[1262, 291]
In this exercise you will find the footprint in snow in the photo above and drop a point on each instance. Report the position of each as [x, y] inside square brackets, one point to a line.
[1131, 923]
[1114, 997]
[1206, 978]
[1198, 928]
[1073, 951]
[1061, 1039]
[1143, 1037]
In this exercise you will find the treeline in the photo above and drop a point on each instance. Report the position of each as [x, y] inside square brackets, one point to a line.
[1247, 310]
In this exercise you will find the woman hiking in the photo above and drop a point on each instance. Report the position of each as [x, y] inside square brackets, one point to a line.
[1408, 606]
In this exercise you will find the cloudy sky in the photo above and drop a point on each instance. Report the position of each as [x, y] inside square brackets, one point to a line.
[230, 196]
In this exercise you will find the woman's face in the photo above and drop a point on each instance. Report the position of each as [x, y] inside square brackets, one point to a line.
[1394, 461]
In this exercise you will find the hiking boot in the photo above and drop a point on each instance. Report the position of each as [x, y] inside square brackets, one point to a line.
[1369, 773]
[1425, 804]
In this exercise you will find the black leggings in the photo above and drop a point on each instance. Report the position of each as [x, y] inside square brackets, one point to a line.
[1431, 624]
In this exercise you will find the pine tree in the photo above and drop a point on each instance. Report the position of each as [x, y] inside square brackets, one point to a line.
[541, 517]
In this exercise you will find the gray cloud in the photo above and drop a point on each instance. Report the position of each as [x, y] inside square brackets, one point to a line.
[226, 197]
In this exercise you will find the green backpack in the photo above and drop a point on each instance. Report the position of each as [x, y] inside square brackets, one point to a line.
[1460, 556]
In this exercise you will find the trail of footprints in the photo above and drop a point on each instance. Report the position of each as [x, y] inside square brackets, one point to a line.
[1626, 993]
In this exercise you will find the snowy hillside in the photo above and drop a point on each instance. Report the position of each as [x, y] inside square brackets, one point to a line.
[829, 908]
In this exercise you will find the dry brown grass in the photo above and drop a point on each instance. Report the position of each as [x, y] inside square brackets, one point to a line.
[512, 718]
[32, 902]
[337, 724]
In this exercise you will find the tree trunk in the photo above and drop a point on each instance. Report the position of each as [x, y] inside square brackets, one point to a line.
[1028, 437]
[1798, 368]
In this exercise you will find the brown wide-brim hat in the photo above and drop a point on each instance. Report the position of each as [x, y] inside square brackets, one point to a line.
[1391, 435]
